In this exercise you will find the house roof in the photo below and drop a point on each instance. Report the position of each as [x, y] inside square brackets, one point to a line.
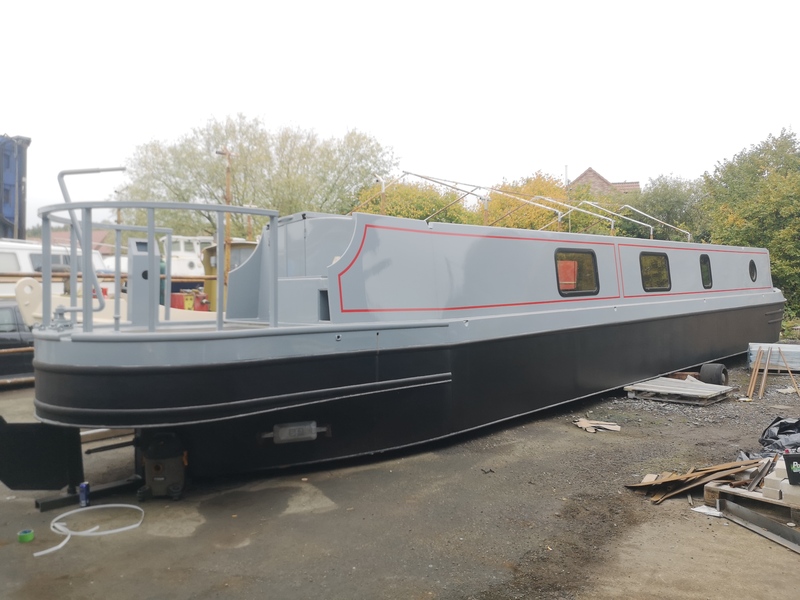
[600, 185]
[98, 239]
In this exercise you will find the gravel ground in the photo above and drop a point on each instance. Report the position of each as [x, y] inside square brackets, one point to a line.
[592, 552]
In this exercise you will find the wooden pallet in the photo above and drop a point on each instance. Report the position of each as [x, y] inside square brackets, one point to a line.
[677, 399]
[720, 490]
[688, 391]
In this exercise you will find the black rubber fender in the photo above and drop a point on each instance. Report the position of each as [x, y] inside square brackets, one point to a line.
[714, 373]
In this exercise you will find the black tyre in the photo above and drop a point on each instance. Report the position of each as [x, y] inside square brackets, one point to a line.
[714, 373]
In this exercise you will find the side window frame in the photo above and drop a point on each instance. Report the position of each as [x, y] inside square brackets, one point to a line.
[581, 275]
[647, 274]
[9, 262]
[706, 274]
[8, 320]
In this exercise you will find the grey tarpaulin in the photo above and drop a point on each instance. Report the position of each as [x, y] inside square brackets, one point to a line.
[781, 434]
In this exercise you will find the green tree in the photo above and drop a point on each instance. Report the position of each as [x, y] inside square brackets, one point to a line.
[289, 170]
[581, 222]
[417, 201]
[522, 204]
[754, 200]
[673, 200]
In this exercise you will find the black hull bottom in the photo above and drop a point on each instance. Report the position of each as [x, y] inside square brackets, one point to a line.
[374, 402]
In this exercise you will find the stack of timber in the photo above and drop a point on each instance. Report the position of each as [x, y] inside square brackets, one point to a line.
[686, 391]
[669, 484]
[764, 358]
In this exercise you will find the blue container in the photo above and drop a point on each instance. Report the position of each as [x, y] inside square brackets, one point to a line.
[83, 493]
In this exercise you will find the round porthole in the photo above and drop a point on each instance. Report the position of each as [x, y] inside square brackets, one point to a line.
[753, 270]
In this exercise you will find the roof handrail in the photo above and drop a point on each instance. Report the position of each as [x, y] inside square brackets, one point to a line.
[611, 212]
[688, 235]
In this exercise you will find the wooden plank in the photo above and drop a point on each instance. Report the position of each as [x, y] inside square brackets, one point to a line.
[702, 481]
[794, 383]
[730, 465]
[684, 374]
[593, 426]
[754, 373]
[23, 350]
[17, 381]
[761, 473]
[766, 372]
[658, 495]
[742, 465]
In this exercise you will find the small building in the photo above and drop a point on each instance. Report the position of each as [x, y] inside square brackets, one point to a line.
[601, 186]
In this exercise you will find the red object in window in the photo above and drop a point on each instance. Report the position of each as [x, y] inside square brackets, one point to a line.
[567, 275]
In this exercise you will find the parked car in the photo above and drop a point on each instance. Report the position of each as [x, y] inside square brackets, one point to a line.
[16, 344]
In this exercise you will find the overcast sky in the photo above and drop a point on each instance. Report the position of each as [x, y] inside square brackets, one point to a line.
[475, 92]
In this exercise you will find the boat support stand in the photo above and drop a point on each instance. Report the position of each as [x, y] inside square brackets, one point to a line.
[38, 456]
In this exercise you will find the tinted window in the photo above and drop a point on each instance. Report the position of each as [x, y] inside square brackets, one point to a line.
[55, 259]
[655, 272]
[8, 322]
[753, 271]
[705, 271]
[576, 271]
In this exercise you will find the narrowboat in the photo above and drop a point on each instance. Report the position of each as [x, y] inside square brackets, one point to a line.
[350, 335]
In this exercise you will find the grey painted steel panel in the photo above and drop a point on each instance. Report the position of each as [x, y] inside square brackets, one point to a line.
[405, 269]
[309, 243]
[204, 345]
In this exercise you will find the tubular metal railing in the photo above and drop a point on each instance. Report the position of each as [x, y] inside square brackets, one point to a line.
[81, 232]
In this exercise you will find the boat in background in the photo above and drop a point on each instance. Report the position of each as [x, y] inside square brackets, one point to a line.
[23, 258]
[187, 254]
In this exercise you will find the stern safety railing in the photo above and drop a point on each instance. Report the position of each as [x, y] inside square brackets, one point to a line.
[81, 236]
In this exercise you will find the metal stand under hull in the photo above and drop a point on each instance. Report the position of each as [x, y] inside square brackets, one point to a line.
[371, 402]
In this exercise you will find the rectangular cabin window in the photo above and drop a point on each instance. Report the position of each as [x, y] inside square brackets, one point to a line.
[9, 263]
[55, 259]
[705, 271]
[576, 271]
[655, 272]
